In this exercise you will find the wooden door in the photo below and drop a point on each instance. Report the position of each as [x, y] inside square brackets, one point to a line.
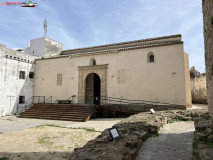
[90, 89]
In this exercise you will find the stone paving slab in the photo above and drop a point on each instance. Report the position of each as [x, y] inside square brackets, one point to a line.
[173, 143]
[12, 123]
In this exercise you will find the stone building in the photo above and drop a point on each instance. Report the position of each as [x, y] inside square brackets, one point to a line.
[198, 86]
[154, 69]
[17, 72]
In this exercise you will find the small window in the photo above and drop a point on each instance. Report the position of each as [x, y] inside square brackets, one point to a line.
[21, 99]
[31, 75]
[22, 75]
[59, 79]
[151, 58]
[93, 62]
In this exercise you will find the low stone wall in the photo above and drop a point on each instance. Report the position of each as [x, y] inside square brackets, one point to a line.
[203, 140]
[134, 131]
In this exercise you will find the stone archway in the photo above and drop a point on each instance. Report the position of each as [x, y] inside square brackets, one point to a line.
[83, 72]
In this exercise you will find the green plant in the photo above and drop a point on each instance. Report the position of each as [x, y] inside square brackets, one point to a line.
[4, 158]
[45, 140]
[148, 135]
[209, 144]
[124, 130]
[197, 156]
[175, 120]
[195, 144]
[53, 125]
[66, 156]
[59, 147]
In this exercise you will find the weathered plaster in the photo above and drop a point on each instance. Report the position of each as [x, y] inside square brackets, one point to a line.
[11, 87]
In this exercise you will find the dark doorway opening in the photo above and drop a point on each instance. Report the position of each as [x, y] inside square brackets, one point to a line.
[93, 89]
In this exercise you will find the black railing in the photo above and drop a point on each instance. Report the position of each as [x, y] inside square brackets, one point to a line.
[49, 100]
[134, 105]
[34, 100]
[29, 102]
[112, 100]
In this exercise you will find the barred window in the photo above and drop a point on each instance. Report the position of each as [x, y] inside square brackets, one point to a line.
[22, 75]
[59, 79]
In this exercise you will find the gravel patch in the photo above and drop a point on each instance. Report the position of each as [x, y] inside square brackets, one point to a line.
[43, 143]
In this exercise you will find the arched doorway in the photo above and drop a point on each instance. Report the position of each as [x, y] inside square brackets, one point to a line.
[93, 89]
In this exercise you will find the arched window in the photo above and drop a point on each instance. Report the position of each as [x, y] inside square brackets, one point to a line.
[92, 62]
[150, 57]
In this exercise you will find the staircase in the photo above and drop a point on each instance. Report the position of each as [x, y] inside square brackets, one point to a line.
[66, 112]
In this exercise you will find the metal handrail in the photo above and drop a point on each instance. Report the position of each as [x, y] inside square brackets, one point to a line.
[69, 98]
[46, 100]
[33, 102]
[127, 101]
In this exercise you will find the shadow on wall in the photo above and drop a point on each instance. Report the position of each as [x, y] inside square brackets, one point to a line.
[16, 89]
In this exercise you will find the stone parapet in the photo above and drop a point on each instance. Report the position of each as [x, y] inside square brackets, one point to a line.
[134, 131]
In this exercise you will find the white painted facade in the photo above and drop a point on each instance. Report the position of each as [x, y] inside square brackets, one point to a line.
[44, 47]
[11, 86]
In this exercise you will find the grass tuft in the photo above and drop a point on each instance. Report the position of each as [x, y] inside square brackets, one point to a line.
[175, 120]
[4, 158]
[44, 141]
[195, 144]
[209, 144]
[148, 135]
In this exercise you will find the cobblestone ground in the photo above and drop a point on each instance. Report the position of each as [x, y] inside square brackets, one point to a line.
[173, 143]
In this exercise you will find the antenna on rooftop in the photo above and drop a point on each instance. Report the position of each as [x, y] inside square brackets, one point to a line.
[45, 27]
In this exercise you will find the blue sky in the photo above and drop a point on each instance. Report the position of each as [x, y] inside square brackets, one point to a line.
[82, 23]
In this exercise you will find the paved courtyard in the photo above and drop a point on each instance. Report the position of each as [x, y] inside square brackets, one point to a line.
[173, 143]
[11, 123]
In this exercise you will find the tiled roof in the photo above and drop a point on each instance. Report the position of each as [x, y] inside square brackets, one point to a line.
[130, 44]
[113, 48]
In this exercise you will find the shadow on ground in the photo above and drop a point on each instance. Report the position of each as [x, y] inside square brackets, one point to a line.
[35, 156]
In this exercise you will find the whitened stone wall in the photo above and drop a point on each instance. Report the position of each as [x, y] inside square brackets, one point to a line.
[11, 87]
